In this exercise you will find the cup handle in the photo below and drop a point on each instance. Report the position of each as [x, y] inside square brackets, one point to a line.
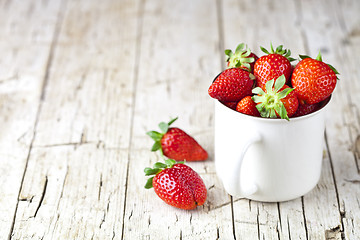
[232, 183]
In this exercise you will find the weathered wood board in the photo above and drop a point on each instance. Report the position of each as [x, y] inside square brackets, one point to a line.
[81, 82]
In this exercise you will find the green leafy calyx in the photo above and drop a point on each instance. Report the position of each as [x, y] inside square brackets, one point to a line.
[240, 58]
[157, 136]
[269, 101]
[157, 168]
[279, 50]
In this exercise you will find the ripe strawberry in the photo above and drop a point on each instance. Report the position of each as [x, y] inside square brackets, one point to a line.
[272, 65]
[176, 144]
[305, 109]
[177, 184]
[277, 100]
[248, 106]
[241, 58]
[231, 85]
[313, 80]
[231, 105]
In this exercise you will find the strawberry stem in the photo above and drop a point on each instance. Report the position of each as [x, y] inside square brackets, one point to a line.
[157, 136]
[240, 58]
[318, 57]
[279, 50]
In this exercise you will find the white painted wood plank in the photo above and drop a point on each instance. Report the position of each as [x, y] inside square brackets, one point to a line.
[179, 58]
[339, 48]
[76, 184]
[345, 130]
[26, 34]
[94, 70]
[259, 23]
[74, 187]
[73, 192]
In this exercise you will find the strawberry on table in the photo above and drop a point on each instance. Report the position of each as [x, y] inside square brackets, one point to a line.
[313, 80]
[248, 106]
[177, 184]
[176, 144]
[231, 85]
[273, 65]
[241, 58]
[277, 100]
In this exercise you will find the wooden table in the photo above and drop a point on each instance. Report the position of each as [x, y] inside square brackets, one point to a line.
[82, 81]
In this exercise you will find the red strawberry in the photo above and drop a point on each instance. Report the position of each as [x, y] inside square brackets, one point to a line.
[241, 58]
[305, 109]
[176, 144]
[231, 105]
[313, 80]
[248, 106]
[272, 65]
[177, 184]
[231, 85]
[277, 100]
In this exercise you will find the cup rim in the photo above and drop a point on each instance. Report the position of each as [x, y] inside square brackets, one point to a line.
[278, 120]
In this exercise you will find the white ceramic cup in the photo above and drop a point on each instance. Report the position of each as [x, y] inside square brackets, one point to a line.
[269, 160]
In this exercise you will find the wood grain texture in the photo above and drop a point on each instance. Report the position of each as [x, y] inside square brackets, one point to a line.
[82, 82]
[74, 186]
[165, 90]
[26, 37]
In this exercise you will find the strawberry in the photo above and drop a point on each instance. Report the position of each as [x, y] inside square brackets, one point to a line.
[177, 184]
[272, 65]
[231, 85]
[241, 58]
[231, 105]
[277, 100]
[248, 106]
[305, 109]
[176, 144]
[313, 80]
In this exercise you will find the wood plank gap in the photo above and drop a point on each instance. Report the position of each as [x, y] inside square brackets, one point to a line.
[61, 196]
[278, 208]
[219, 12]
[258, 222]
[277, 227]
[288, 226]
[232, 216]
[342, 214]
[304, 216]
[139, 30]
[42, 196]
[355, 150]
[59, 22]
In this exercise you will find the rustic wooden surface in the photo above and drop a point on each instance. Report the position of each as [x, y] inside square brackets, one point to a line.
[82, 81]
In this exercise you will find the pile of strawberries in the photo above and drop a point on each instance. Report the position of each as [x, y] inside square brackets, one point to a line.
[174, 182]
[270, 86]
